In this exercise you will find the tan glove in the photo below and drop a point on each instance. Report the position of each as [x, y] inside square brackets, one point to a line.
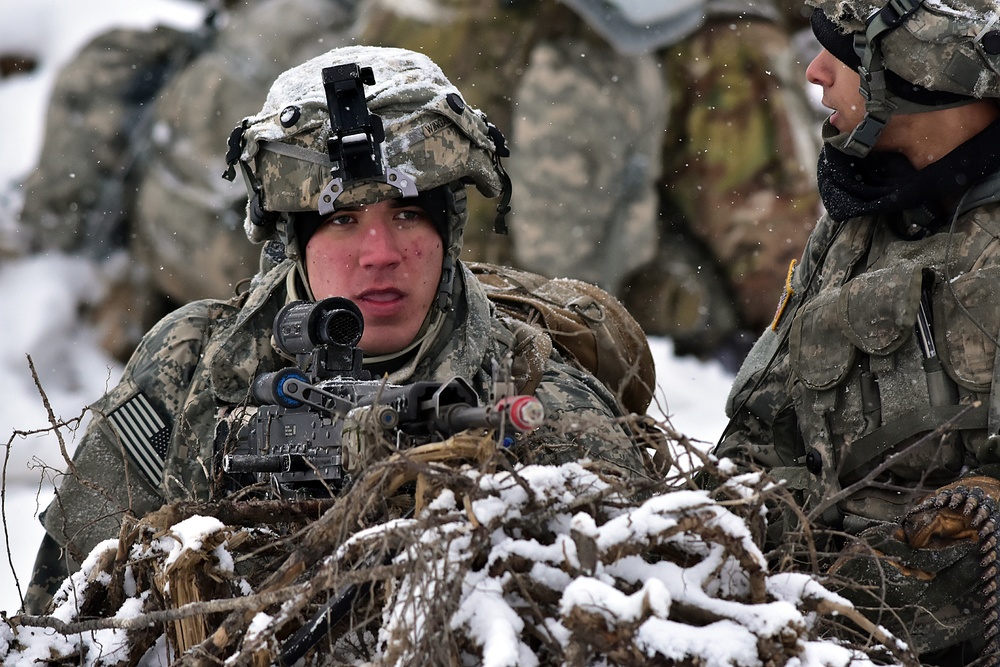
[954, 512]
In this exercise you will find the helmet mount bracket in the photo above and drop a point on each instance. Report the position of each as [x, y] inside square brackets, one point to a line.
[356, 137]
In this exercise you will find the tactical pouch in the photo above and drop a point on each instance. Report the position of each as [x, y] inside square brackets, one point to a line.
[877, 403]
[875, 313]
[586, 323]
[818, 351]
[878, 309]
[968, 305]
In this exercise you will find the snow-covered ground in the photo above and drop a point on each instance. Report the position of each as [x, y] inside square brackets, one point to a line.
[40, 296]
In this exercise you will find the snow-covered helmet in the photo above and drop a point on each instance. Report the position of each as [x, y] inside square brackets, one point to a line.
[357, 125]
[912, 55]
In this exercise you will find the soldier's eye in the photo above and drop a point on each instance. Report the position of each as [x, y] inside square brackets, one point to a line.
[411, 215]
[339, 219]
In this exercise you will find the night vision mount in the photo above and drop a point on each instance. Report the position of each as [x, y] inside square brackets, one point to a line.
[356, 137]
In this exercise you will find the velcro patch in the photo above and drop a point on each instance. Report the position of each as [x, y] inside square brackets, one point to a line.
[144, 434]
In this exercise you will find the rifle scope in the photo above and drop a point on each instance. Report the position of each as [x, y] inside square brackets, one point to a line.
[302, 326]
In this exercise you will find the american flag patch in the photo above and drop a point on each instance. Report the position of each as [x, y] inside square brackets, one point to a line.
[144, 434]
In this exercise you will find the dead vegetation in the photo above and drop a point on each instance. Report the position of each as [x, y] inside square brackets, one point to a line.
[446, 554]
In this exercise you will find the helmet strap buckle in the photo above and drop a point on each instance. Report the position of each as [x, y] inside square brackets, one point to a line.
[863, 138]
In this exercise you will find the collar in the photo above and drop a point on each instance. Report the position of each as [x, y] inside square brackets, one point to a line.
[886, 183]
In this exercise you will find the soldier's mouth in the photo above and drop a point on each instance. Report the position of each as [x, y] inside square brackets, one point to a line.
[388, 294]
[379, 300]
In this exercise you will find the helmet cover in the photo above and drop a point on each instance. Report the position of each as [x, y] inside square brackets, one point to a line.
[431, 136]
[951, 46]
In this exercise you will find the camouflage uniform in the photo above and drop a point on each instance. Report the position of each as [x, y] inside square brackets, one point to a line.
[203, 357]
[886, 332]
[845, 353]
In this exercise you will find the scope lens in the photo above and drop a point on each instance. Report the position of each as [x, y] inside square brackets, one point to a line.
[341, 327]
[301, 326]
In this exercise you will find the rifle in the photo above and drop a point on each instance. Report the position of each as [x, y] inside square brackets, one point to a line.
[321, 422]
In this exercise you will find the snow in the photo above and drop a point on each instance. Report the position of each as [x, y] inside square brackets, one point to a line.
[41, 298]
[189, 534]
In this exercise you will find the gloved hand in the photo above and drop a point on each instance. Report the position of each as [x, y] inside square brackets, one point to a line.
[921, 595]
[959, 511]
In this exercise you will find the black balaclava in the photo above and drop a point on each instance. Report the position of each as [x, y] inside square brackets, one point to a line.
[886, 182]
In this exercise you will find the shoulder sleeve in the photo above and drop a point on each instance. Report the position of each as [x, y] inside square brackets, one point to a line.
[118, 466]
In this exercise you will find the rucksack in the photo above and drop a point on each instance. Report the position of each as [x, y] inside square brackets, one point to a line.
[588, 326]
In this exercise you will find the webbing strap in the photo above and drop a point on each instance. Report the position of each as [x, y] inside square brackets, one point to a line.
[297, 152]
[877, 443]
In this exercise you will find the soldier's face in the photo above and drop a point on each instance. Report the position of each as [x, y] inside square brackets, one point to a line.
[387, 259]
[841, 90]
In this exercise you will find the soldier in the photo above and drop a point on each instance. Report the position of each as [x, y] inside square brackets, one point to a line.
[389, 240]
[875, 386]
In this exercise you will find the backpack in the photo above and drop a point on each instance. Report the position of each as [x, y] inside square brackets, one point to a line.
[588, 326]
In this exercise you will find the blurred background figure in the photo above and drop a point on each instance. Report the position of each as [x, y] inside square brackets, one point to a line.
[664, 149]
[681, 162]
[131, 159]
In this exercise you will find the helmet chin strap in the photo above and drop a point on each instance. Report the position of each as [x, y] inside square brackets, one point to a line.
[880, 104]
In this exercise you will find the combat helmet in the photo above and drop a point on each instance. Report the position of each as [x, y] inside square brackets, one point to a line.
[913, 55]
[358, 125]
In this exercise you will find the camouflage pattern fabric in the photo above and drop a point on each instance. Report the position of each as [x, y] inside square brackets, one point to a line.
[187, 220]
[839, 384]
[80, 196]
[939, 47]
[75, 197]
[205, 355]
[433, 137]
[741, 172]
[584, 182]
[815, 359]
[939, 608]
